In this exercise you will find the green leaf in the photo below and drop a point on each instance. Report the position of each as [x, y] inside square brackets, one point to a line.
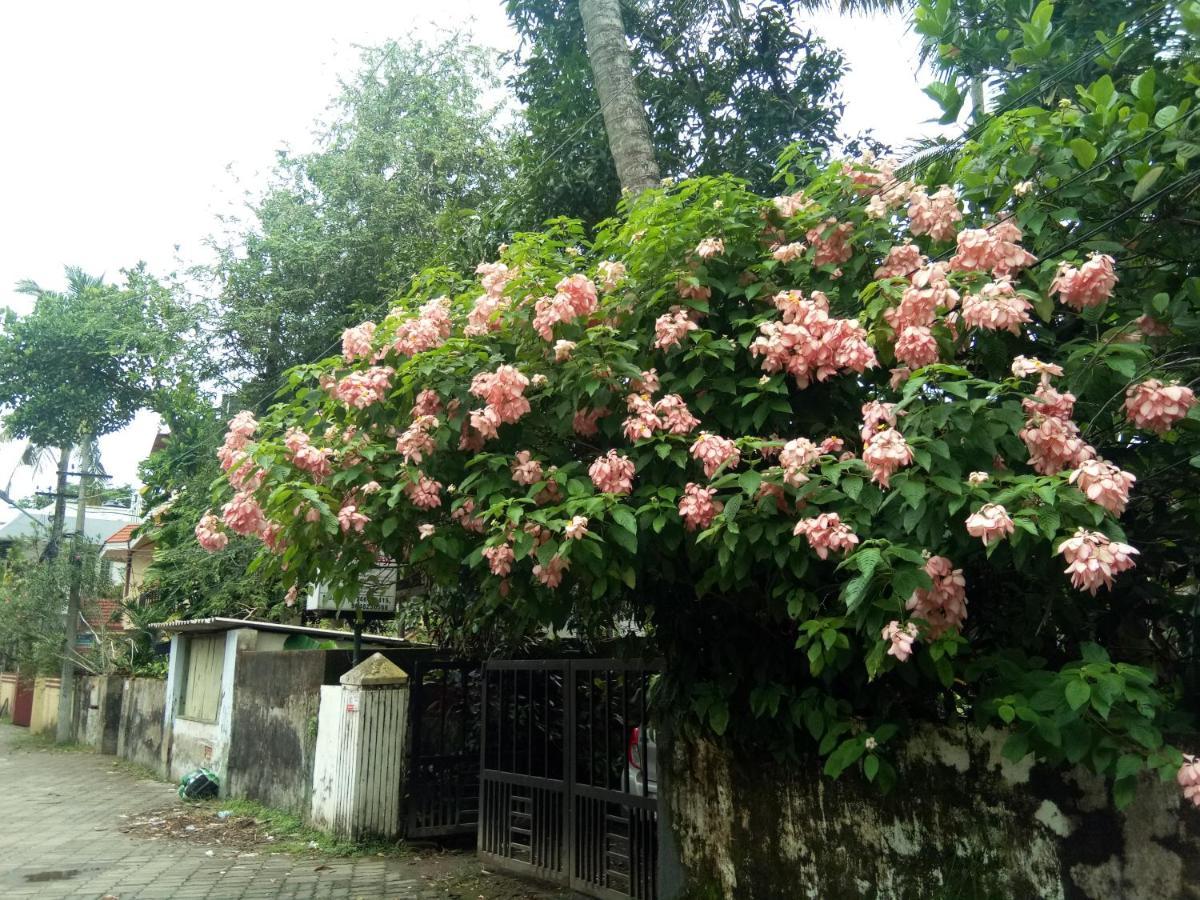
[1165, 116]
[718, 716]
[1123, 791]
[1084, 152]
[749, 482]
[844, 756]
[1078, 693]
[1146, 182]
[851, 486]
[626, 519]
[871, 767]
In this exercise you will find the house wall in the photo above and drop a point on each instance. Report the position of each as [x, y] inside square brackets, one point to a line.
[273, 734]
[140, 726]
[8, 693]
[961, 822]
[193, 742]
[97, 714]
[44, 717]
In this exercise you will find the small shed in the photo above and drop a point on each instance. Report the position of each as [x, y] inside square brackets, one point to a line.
[203, 678]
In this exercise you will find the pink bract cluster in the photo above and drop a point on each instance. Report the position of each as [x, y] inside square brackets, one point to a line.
[575, 298]
[209, 533]
[1188, 778]
[351, 519]
[585, 422]
[1156, 406]
[991, 522]
[612, 473]
[1093, 559]
[356, 341]
[884, 453]
[809, 344]
[937, 216]
[997, 307]
[417, 442]
[504, 393]
[671, 328]
[612, 273]
[1089, 285]
[500, 559]
[361, 389]
[797, 457]
[243, 515]
[424, 493]
[697, 507]
[464, 515]
[1050, 434]
[1104, 484]
[995, 249]
[825, 533]
[714, 451]
[943, 605]
[306, 457]
[551, 574]
[525, 469]
[429, 329]
[830, 242]
[901, 637]
[670, 415]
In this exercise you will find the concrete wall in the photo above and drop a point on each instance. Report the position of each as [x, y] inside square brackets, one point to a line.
[274, 726]
[961, 822]
[8, 693]
[140, 728]
[44, 718]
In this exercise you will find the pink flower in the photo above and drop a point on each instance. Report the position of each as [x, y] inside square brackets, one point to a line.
[483, 317]
[612, 473]
[371, 487]
[937, 216]
[1155, 406]
[674, 416]
[426, 404]
[243, 515]
[576, 528]
[525, 469]
[790, 204]
[426, 531]
[209, 533]
[944, 604]
[830, 242]
[500, 559]
[1024, 366]
[899, 375]
[994, 248]
[1188, 778]
[691, 289]
[1052, 438]
[884, 453]
[464, 515]
[997, 307]
[416, 442]
[901, 262]
[787, 253]
[989, 523]
[916, 347]
[356, 341]
[697, 507]
[671, 328]
[714, 451]
[241, 430]
[902, 638]
[611, 273]
[428, 330]
[797, 457]
[551, 574]
[563, 350]
[808, 344]
[877, 416]
[1152, 327]
[289, 599]
[1021, 188]
[977, 478]
[647, 382]
[424, 493]
[350, 519]
[827, 532]
[1093, 560]
[710, 247]
[1089, 285]
[494, 276]
[832, 444]
[503, 391]
[644, 421]
[584, 421]
[1104, 484]
[361, 389]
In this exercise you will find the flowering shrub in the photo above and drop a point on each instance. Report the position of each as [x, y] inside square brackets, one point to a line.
[851, 456]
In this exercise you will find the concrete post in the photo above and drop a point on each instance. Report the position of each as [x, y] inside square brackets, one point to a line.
[359, 766]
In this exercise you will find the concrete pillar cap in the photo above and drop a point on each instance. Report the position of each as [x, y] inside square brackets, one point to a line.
[375, 671]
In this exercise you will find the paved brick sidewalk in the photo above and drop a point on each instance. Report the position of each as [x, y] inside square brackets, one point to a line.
[60, 815]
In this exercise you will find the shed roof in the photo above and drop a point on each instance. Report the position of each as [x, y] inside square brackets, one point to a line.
[194, 626]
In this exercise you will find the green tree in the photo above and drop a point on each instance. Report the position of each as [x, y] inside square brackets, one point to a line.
[409, 155]
[725, 86]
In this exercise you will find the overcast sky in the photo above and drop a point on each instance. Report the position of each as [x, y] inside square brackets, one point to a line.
[129, 125]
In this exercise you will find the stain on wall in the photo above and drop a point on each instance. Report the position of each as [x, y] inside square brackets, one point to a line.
[140, 732]
[272, 739]
[962, 822]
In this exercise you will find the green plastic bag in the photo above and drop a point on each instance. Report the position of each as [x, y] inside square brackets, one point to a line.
[199, 784]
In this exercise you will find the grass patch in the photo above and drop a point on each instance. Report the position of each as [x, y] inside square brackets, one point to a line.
[136, 770]
[43, 742]
[293, 836]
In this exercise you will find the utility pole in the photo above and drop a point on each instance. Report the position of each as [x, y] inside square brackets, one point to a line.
[66, 691]
[60, 503]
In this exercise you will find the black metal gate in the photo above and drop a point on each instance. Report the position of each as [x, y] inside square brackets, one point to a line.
[442, 793]
[568, 789]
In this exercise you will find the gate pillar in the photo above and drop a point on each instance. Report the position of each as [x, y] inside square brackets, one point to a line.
[359, 760]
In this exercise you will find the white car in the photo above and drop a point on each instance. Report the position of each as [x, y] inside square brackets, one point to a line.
[642, 763]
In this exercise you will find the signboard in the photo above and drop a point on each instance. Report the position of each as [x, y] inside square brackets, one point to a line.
[376, 594]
